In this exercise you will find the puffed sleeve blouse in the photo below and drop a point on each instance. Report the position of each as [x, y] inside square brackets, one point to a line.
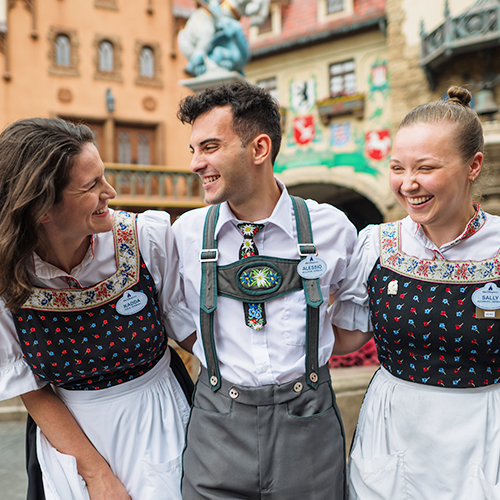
[479, 241]
[157, 248]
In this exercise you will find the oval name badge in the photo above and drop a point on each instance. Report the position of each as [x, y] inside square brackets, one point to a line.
[131, 303]
[487, 298]
[311, 267]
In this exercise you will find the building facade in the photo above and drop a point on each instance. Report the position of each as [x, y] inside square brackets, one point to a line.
[114, 65]
[433, 44]
[327, 64]
[347, 71]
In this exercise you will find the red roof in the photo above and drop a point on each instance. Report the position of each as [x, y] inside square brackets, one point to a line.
[299, 18]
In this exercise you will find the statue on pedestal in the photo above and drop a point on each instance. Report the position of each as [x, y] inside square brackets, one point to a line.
[213, 37]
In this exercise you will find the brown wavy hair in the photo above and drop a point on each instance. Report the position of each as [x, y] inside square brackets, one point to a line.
[36, 158]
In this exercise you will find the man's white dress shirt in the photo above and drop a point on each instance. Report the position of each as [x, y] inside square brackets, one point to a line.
[275, 354]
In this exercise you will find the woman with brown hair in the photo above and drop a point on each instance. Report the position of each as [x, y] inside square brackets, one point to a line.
[89, 299]
[427, 287]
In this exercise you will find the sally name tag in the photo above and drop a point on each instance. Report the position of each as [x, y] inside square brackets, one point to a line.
[487, 301]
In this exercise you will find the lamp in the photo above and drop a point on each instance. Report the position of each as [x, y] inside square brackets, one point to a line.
[110, 101]
[485, 103]
[484, 97]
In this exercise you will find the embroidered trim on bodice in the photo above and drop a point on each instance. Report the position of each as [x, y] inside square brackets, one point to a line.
[127, 275]
[438, 270]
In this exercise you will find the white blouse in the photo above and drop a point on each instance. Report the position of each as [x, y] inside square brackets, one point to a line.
[157, 248]
[350, 310]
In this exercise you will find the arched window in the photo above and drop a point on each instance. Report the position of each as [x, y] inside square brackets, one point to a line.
[147, 62]
[106, 56]
[63, 50]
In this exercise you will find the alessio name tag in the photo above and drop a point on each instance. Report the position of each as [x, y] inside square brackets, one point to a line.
[487, 301]
[311, 267]
[131, 303]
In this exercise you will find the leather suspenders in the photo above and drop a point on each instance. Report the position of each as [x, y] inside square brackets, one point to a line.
[225, 280]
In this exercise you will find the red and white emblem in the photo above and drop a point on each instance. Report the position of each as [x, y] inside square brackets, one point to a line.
[303, 129]
[378, 144]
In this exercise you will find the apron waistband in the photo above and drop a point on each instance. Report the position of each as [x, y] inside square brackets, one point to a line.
[141, 383]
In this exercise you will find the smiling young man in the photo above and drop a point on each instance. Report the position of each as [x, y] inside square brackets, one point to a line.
[264, 422]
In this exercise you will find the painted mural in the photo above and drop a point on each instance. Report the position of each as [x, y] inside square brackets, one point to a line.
[347, 130]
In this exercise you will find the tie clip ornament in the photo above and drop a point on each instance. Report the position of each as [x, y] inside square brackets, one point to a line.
[392, 288]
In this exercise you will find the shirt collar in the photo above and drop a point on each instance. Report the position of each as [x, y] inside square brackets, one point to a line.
[472, 227]
[282, 215]
[44, 270]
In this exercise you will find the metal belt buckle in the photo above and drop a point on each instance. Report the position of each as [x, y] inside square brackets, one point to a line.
[307, 249]
[205, 258]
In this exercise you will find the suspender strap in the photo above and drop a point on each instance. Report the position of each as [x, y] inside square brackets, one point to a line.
[208, 295]
[291, 282]
[312, 290]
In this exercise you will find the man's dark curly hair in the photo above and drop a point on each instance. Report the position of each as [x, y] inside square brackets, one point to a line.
[255, 111]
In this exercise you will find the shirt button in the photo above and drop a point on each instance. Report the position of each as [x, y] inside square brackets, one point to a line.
[297, 387]
[233, 393]
[263, 368]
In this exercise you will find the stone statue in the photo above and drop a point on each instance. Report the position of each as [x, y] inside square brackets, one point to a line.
[213, 37]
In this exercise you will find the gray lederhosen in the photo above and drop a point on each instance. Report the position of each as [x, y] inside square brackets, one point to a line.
[275, 442]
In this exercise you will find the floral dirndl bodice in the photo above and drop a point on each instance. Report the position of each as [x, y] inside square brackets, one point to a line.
[96, 337]
[425, 324]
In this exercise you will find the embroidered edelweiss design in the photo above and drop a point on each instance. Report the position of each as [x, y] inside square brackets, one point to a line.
[249, 229]
[262, 277]
[248, 245]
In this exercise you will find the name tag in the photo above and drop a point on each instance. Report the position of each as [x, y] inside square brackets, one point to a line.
[311, 267]
[487, 301]
[131, 303]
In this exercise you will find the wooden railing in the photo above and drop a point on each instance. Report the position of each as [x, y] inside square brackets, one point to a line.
[154, 186]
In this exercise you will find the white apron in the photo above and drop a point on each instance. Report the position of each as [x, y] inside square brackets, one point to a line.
[138, 427]
[419, 442]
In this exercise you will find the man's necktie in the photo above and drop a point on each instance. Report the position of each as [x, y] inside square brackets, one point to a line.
[255, 314]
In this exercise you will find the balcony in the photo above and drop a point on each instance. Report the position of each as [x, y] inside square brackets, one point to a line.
[332, 107]
[477, 29]
[141, 187]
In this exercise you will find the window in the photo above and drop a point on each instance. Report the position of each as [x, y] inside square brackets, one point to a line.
[143, 149]
[270, 85]
[63, 54]
[148, 67]
[63, 51]
[135, 145]
[270, 27]
[342, 78]
[334, 6]
[106, 56]
[329, 10]
[267, 25]
[106, 4]
[147, 63]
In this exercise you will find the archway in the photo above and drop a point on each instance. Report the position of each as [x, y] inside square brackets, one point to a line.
[360, 210]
